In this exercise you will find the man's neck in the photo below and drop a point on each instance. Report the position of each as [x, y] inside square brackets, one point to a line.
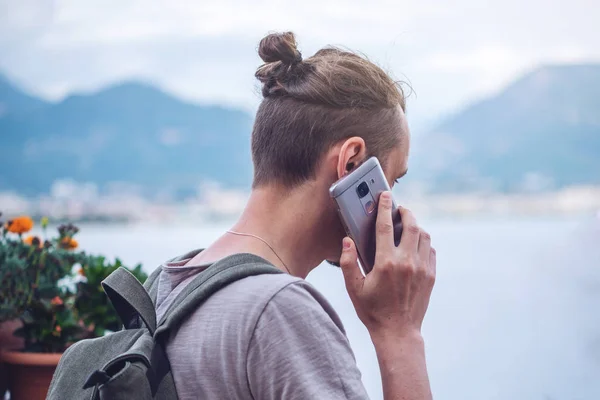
[286, 221]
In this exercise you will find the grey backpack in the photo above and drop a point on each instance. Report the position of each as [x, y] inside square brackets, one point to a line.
[132, 364]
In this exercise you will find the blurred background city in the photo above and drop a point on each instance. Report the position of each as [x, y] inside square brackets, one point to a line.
[133, 118]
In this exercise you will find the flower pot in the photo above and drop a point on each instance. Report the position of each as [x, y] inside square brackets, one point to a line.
[30, 374]
[8, 342]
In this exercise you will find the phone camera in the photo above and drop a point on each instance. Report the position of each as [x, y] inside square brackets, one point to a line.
[362, 190]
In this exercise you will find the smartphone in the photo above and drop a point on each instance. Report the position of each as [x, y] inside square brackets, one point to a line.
[357, 196]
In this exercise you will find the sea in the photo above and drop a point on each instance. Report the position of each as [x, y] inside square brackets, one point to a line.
[515, 312]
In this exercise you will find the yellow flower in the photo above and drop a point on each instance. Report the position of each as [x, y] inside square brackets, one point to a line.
[33, 241]
[44, 222]
[68, 243]
[20, 225]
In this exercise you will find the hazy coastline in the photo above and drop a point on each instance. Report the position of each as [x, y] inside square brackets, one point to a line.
[218, 204]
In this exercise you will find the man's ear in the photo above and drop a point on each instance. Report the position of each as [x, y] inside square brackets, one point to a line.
[352, 153]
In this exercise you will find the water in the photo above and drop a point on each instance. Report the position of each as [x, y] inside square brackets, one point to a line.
[515, 313]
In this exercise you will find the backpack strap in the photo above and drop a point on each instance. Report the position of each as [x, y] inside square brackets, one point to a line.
[151, 284]
[208, 282]
[130, 299]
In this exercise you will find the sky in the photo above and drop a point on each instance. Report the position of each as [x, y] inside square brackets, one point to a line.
[451, 52]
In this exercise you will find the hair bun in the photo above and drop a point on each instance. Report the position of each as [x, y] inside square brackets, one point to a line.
[279, 47]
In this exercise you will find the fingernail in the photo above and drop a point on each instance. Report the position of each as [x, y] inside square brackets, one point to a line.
[385, 196]
[346, 243]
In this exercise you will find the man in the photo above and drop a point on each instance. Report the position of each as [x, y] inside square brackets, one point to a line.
[275, 336]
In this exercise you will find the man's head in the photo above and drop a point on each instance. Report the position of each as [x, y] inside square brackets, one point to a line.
[321, 117]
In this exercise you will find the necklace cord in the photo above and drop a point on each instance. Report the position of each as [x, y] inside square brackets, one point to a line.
[264, 241]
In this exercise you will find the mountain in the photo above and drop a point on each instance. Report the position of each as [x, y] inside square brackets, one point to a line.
[541, 132]
[13, 100]
[132, 133]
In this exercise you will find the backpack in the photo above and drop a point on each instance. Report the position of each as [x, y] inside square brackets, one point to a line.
[131, 363]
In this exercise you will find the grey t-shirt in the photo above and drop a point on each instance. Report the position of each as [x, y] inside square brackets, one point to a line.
[262, 337]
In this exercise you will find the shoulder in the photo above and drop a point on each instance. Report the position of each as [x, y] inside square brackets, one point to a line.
[265, 285]
[242, 303]
[298, 349]
[298, 302]
[291, 297]
[263, 303]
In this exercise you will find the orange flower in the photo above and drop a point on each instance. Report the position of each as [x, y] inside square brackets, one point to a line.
[80, 271]
[58, 329]
[33, 241]
[68, 243]
[20, 225]
[57, 301]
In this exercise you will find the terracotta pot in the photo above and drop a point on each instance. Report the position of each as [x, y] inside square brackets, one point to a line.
[30, 374]
[8, 342]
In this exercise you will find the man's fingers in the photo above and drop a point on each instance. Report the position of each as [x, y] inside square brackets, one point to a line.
[349, 263]
[384, 227]
[432, 261]
[424, 247]
[411, 233]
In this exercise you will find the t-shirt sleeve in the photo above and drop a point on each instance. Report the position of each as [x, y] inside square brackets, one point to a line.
[299, 351]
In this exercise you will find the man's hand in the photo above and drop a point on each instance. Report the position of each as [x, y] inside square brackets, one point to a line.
[392, 299]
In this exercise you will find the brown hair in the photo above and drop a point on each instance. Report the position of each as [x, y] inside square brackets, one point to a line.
[310, 105]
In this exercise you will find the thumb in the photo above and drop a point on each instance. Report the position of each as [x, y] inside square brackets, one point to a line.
[349, 263]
